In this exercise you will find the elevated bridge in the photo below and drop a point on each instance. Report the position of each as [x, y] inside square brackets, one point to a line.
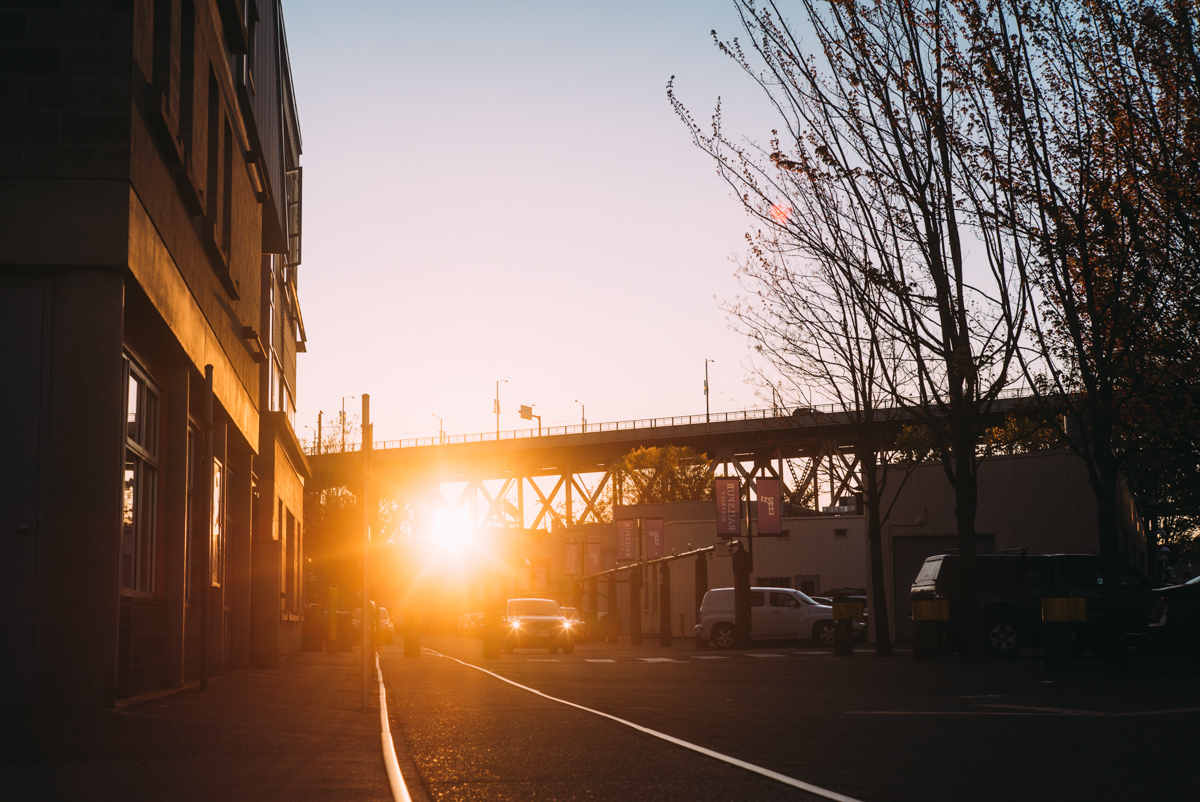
[817, 445]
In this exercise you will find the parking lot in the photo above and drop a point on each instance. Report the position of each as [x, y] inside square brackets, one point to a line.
[591, 725]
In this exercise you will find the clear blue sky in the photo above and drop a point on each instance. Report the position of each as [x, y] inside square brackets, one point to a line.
[502, 191]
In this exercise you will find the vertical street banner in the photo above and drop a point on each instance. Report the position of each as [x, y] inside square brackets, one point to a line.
[626, 540]
[574, 559]
[595, 562]
[729, 508]
[770, 511]
[654, 539]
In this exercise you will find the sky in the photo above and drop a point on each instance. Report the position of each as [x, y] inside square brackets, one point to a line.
[502, 191]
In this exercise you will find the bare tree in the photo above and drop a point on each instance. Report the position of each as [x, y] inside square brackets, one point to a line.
[1101, 106]
[874, 119]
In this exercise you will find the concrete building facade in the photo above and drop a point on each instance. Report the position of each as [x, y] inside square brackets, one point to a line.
[150, 196]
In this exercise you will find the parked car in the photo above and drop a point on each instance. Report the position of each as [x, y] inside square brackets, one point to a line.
[775, 614]
[537, 623]
[1176, 626]
[385, 627]
[1011, 589]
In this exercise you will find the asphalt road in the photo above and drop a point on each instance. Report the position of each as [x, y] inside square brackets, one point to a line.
[864, 727]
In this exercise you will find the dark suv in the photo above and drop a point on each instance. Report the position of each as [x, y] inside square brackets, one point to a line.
[1011, 589]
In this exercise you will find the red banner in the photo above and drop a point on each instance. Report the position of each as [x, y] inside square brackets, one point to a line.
[595, 562]
[729, 508]
[626, 540]
[655, 548]
[574, 559]
[770, 507]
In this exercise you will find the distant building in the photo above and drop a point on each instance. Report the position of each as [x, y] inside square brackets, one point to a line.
[1039, 501]
[150, 197]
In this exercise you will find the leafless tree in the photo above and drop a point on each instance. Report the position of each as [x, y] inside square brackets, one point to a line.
[868, 171]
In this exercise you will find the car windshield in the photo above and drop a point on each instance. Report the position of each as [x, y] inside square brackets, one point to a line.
[533, 607]
[929, 572]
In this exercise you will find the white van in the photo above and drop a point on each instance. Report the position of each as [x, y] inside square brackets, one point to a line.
[775, 614]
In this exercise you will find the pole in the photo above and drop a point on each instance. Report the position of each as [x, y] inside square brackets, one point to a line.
[206, 563]
[706, 415]
[319, 414]
[664, 603]
[497, 410]
[635, 606]
[701, 588]
[367, 619]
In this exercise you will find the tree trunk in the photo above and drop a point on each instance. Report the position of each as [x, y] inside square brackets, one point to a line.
[1106, 484]
[872, 500]
[966, 496]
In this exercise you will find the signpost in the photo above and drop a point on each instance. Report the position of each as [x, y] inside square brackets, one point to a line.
[729, 508]
[770, 518]
[626, 540]
[655, 548]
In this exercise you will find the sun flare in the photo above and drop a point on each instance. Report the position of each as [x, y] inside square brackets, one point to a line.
[452, 532]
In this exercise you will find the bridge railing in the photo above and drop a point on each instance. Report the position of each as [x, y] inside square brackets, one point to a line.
[591, 428]
[611, 426]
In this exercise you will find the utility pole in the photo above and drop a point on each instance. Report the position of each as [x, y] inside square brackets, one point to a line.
[319, 414]
[344, 421]
[582, 413]
[496, 406]
[441, 429]
[706, 415]
[368, 619]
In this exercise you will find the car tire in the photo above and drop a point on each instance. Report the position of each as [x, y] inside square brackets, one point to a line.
[1005, 636]
[722, 636]
[824, 632]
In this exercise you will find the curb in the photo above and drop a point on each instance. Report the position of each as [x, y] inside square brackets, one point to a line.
[395, 779]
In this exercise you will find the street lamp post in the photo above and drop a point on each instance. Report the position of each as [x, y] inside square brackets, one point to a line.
[582, 413]
[496, 406]
[706, 415]
[441, 429]
[344, 420]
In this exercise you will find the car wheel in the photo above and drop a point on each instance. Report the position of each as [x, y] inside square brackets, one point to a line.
[1004, 636]
[824, 632]
[722, 636]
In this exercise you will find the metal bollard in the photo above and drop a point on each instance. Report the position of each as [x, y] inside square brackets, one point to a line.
[845, 612]
[331, 645]
[927, 617]
[1059, 614]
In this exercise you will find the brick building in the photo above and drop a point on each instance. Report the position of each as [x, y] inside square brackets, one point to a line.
[150, 195]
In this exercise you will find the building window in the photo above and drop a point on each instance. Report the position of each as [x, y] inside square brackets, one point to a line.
[139, 501]
[217, 530]
[840, 533]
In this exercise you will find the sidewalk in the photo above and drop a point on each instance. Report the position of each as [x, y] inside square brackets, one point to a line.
[297, 734]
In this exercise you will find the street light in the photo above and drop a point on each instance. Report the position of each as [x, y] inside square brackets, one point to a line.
[344, 420]
[706, 361]
[582, 413]
[496, 406]
[441, 428]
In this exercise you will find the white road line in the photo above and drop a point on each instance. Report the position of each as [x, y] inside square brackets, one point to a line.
[1021, 710]
[395, 779]
[541, 659]
[659, 660]
[733, 761]
[710, 657]
[598, 660]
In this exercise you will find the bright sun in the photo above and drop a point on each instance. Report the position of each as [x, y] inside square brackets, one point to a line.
[452, 532]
